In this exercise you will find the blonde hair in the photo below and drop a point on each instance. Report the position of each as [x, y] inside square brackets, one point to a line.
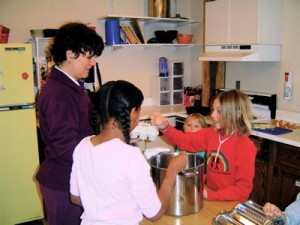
[235, 113]
[196, 116]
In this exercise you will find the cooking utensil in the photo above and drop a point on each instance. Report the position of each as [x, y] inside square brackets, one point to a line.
[187, 195]
[159, 8]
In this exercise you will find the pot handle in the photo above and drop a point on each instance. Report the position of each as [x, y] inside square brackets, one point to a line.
[188, 173]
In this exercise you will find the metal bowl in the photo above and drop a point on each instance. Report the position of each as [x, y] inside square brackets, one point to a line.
[163, 36]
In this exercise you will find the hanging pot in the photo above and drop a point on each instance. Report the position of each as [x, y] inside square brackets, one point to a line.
[159, 8]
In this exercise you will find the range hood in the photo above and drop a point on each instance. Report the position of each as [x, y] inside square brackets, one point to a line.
[240, 53]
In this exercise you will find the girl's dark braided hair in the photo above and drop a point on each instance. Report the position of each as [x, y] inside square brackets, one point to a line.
[116, 99]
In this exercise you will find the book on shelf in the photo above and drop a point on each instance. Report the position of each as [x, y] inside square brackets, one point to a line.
[129, 35]
[134, 34]
[137, 27]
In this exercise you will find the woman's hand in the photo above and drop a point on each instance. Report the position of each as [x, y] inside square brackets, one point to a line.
[159, 121]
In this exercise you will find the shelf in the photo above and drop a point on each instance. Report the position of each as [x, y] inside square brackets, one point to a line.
[151, 19]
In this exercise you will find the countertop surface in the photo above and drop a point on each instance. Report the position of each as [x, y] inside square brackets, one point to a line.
[205, 216]
[166, 111]
[292, 138]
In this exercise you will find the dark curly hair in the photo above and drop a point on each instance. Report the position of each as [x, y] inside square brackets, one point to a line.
[116, 99]
[78, 38]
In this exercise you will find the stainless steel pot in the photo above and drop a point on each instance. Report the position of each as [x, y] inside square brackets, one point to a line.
[187, 195]
[159, 8]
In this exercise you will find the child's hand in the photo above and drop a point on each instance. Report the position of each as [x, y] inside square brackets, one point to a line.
[272, 210]
[205, 193]
[159, 121]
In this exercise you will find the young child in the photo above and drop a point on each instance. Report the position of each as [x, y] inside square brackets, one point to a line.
[230, 153]
[291, 215]
[110, 178]
[193, 123]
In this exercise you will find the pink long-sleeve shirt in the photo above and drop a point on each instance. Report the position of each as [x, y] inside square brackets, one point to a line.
[114, 183]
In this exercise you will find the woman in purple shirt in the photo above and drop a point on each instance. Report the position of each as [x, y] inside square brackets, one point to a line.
[64, 109]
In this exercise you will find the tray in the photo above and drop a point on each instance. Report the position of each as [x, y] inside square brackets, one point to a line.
[274, 131]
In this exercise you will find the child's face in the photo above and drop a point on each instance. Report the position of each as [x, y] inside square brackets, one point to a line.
[192, 125]
[216, 113]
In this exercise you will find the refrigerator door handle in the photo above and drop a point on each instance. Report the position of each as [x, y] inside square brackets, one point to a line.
[17, 107]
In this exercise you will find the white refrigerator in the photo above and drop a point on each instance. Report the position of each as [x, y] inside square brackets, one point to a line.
[20, 201]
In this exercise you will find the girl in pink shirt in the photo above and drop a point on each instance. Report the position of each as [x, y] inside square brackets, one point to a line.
[110, 177]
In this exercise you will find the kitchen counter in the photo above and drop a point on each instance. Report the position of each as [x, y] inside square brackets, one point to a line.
[204, 216]
[292, 138]
[166, 111]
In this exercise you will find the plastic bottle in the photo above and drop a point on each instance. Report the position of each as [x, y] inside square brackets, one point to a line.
[163, 67]
[288, 85]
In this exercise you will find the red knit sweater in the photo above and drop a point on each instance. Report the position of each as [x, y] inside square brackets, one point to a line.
[229, 172]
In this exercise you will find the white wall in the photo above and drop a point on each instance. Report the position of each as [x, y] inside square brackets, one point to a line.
[137, 65]
[269, 77]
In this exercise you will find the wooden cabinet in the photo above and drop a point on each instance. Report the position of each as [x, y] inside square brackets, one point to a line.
[277, 173]
[260, 182]
[285, 174]
[243, 22]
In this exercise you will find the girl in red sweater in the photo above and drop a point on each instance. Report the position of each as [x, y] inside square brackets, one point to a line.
[230, 153]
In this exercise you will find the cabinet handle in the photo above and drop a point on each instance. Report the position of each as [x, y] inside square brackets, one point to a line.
[297, 183]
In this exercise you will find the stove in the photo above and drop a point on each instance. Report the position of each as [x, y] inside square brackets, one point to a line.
[264, 106]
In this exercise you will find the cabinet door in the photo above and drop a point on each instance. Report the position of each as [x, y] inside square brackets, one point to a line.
[287, 188]
[260, 182]
[232, 22]
[217, 22]
[286, 175]
[244, 21]
[259, 192]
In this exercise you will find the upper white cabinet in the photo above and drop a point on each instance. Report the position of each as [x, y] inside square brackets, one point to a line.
[243, 22]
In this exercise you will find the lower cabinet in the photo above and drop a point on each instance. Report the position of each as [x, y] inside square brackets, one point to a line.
[285, 175]
[259, 193]
[277, 173]
[260, 181]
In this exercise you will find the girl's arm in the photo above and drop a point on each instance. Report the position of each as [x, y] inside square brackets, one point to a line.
[76, 200]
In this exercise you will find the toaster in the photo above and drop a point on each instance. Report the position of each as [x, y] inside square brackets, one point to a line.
[246, 213]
